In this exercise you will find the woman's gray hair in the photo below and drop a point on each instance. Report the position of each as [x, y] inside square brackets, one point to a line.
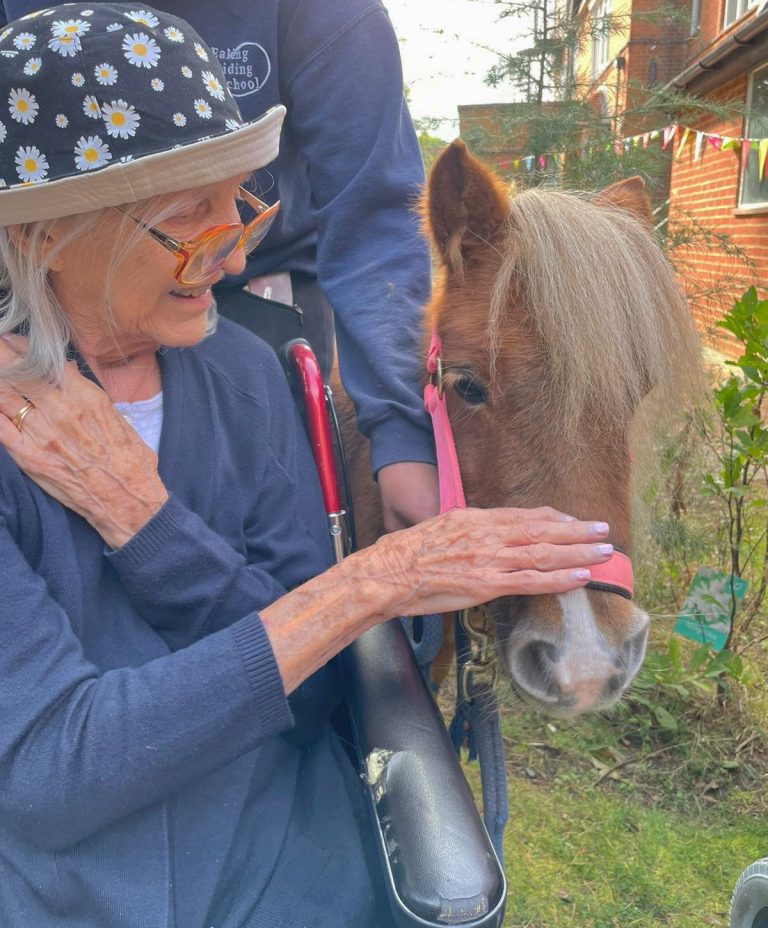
[28, 303]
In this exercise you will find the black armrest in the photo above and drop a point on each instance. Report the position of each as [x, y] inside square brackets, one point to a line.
[438, 861]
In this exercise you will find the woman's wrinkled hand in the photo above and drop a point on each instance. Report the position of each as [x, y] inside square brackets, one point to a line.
[77, 447]
[466, 557]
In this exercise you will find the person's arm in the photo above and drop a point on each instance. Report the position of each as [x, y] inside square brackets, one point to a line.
[80, 750]
[341, 79]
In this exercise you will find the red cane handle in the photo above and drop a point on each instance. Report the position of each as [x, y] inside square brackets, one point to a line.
[310, 380]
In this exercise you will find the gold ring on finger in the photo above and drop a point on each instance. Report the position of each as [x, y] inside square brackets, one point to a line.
[19, 417]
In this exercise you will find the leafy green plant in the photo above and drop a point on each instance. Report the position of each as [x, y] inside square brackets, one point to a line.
[674, 680]
[739, 442]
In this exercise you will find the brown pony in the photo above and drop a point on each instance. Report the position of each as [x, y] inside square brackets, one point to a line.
[557, 315]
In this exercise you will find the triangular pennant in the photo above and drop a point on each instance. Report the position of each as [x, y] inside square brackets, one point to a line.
[762, 151]
[681, 146]
[746, 147]
[729, 144]
[542, 161]
[669, 134]
[716, 141]
[516, 163]
[646, 139]
[697, 146]
[528, 162]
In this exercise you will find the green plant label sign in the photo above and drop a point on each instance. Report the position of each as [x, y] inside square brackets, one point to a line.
[706, 614]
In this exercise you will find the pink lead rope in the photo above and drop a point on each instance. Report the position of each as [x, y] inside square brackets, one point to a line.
[615, 575]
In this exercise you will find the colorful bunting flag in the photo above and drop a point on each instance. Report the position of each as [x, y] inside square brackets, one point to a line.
[697, 146]
[681, 146]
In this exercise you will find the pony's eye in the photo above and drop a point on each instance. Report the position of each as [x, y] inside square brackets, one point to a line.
[470, 390]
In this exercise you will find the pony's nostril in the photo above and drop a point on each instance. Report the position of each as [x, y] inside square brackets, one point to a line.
[633, 652]
[614, 687]
[533, 670]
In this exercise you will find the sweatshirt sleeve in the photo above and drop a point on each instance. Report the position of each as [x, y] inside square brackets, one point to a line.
[80, 750]
[343, 86]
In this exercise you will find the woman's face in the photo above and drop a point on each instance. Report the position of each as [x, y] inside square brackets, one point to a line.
[146, 306]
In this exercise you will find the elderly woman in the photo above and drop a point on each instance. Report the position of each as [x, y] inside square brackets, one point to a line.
[165, 583]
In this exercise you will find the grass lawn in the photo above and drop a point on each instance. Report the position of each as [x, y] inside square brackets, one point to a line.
[607, 831]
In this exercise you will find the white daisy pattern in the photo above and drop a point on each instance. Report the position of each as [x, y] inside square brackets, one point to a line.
[213, 85]
[31, 164]
[6, 32]
[232, 124]
[61, 121]
[2, 182]
[173, 34]
[86, 12]
[24, 41]
[187, 72]
[201, 52]
[105, 74]
[77, 79]
[22, 106]
[91, 107]
[75, 28]
[179, 119]
[33, 65]
[141, 50]
[3, 132]
[114, 27]
[66, 45]
[144, 17]
[91, 153]
[8, 54]
[156, 84]
[121, 119]
[203, 109]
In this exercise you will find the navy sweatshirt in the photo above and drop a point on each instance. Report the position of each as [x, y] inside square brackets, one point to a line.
[150, 774]
[348, 173]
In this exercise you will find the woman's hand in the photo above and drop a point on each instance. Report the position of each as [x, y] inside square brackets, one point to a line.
[450, 562]
[78, 448]
[465, 557]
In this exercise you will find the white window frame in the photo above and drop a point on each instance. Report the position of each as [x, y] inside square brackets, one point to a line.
[735, 9]
[600, 43]
[756, 204]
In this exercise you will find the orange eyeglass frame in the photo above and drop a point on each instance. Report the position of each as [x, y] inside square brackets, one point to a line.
[248, 239]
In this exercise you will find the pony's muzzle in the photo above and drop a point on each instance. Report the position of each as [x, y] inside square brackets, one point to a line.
[580, 672]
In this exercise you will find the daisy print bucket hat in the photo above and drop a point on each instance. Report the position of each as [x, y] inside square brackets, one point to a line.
[113, 104]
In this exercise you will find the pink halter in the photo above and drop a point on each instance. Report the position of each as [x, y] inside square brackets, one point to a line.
[614, 576]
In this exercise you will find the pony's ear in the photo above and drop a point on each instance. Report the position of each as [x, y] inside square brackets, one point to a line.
[466, 205]
[629, 195]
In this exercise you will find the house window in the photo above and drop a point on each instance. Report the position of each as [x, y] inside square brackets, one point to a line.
[734, 9]
[601, 35]
[754, 191]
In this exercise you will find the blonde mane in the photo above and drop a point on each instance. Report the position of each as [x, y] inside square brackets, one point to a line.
[605, 304]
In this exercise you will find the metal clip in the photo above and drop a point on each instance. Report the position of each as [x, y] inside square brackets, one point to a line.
[481, 667]
[437, 376]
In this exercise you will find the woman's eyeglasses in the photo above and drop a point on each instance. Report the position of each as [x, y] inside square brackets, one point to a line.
[201, 259]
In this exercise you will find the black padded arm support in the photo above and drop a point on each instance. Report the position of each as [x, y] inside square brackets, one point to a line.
[437, 858]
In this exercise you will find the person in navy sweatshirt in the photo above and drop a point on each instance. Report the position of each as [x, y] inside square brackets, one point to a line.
[168, 610]
[348, 174]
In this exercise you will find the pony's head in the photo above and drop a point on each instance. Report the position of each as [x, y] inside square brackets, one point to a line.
[558, 314]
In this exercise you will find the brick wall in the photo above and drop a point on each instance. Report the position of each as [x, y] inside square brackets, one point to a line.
[708, 190]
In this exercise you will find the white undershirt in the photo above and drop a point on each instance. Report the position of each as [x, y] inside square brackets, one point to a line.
[146, 416]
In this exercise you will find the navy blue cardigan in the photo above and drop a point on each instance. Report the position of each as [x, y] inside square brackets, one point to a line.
[147, 779]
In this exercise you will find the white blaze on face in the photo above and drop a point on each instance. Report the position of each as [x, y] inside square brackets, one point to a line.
[589, 671]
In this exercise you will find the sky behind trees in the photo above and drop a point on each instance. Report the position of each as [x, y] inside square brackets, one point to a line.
[447, 48]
